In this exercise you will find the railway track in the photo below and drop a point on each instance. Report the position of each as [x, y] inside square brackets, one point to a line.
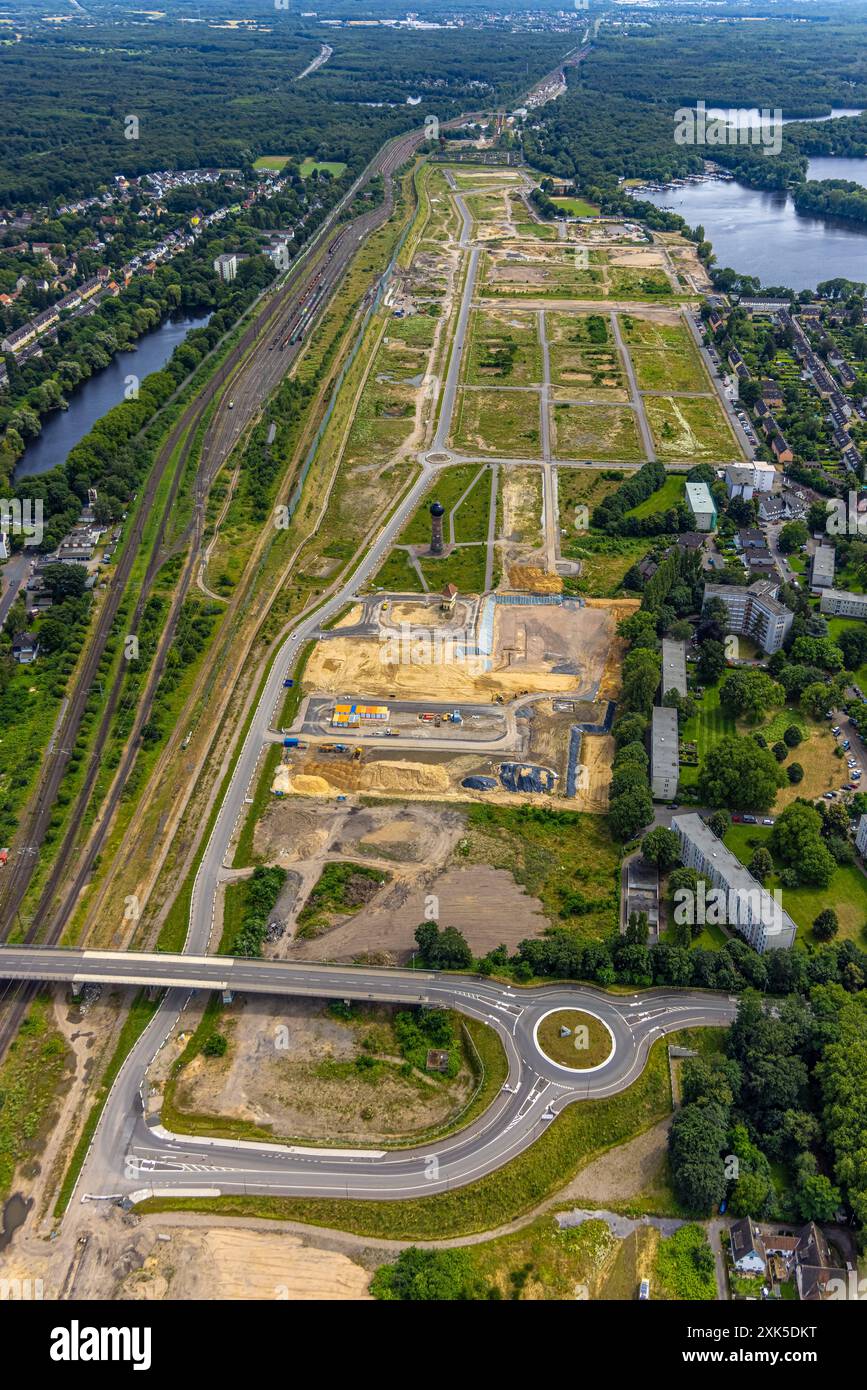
[259, 368]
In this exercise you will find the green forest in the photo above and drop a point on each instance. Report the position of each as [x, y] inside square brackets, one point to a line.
[217, 97]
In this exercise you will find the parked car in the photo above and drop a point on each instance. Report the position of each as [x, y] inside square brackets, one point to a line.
[750, 820]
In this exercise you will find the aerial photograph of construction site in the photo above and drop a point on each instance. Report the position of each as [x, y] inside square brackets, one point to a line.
[435, 862]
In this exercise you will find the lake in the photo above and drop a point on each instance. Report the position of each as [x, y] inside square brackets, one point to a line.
[760, 233]
[63, 429]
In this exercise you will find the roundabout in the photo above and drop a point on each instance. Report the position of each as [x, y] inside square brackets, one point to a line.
[574, 1040]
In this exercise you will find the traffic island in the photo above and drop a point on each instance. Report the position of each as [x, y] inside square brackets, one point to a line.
[574, 1040]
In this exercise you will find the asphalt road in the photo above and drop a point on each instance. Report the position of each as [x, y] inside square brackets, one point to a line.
[130, 1157]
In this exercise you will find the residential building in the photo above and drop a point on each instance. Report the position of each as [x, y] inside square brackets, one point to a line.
[664, 753]
[780, 449]
[822, 570]
[754, 611]
[748, 1248]
[750, 909]
[861, 836]
[673, 666]
[838, 603]
[701, 504]
[750, 538]
[226, 266]
[742, 480]
[25, 648]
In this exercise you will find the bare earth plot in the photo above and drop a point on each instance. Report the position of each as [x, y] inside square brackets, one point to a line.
[585, 363]
[595, 432]
[484, 903]
[497, 422]
[231, 1264]
[686, 429]
[519, 270]
[309, 1087]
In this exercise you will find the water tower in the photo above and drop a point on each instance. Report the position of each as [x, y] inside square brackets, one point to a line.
[437, 512]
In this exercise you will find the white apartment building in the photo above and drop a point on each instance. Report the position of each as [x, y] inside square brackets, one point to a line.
[822, 572]
[742, 480]
[841, 604]
[701, 504]
[861, 836]
[673, 666]
[754, 611]
[664, 753]
[751, 909]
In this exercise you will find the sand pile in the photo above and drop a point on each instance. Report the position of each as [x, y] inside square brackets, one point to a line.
[402, 776]
[282, 781]
[312, 786]
[536, 581]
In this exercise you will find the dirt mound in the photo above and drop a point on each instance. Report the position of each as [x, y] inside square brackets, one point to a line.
[311, 786]
[282, 781]
[403, 776]
[530, 578]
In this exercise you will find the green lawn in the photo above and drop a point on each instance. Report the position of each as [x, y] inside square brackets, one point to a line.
[271, 161]
[576, 207]
[668, 495]
[708, 725]
[333, 167]
[847, 891]
[838, 625]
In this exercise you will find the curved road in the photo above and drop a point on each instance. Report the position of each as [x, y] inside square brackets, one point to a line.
[130, 1157]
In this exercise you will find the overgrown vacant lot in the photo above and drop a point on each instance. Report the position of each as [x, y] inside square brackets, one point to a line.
[687, 429]
[632, 283]
[497, 422]
[502, 349]
[586, 431]
[518, 270]
[564, 858]
[307, 1069]
[584, 360]
[664, 355]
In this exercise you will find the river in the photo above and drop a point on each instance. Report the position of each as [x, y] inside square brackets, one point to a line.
[760, 233]
[63, 429]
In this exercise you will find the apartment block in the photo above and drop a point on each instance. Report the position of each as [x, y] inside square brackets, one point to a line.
[673, 666]
[754, 611]
[751, 909]
[841, 604]
[664, 753]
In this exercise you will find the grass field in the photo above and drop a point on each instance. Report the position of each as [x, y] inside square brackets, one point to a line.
[471, 519]
[465, 568]
[838, 625]
[497, 422]
[584, 431]
[271, 161]
[690, 430]
[707, 726]
[397, 575]
[576, 207]
[671, 492]
[846, 893]
[331, 166]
